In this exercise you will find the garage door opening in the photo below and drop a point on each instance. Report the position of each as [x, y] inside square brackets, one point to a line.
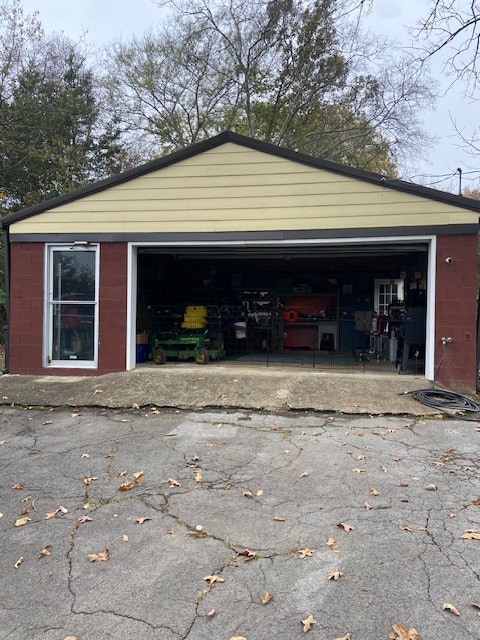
[350, 307]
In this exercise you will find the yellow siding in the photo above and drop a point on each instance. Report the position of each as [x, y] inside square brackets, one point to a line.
[233, 188]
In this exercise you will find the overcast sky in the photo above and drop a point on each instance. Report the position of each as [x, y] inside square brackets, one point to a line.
[105, 20]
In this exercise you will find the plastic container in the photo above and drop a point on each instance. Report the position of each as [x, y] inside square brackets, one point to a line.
[141, 353]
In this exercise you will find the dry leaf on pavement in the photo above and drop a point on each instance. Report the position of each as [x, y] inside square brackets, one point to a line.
[305, 474]
[45, 552]
[137, 476]
[21, 521]
[403, 633]
[18, 486]
[334, 575]
[304, 553]
[446, 606]
[358, 470]
[126, 486]
[471, 534]
[211, 613]
[214, 578]
[431, 487]
[278, 519]
[346, 527]
[374, 492]
[333, 545]
[18, 562]
[367, 505]
[266, 597]
[308, 622]
[101, 556]
[238, 638]
[142, 519]
[89, 479]
[347, 636]
[173, 483]
[83, 519]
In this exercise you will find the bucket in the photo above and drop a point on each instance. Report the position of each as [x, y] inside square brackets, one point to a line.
[141, 352]
[240, 330]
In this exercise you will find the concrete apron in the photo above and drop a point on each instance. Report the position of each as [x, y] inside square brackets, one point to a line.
[190, 386]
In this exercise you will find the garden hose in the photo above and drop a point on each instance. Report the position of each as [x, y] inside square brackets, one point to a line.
[440, 399]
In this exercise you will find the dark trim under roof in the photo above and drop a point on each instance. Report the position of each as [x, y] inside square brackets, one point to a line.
[230, 136]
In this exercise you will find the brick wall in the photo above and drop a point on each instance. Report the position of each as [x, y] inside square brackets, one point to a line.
[456, 311]
[26, 310]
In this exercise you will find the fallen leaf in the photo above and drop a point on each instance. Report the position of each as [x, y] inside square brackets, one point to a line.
[89, 479]
[278, 519]
[431, 487]
[305, 474]
[83, 519]
[214, 578]
[198, 476]
[266, 597]
[446, 606]
[259, 493]
[211, 613]
[142, 519]
[333, 545]
[51, 514]
[346, 527]
[135, 405]
[367, 505]
[125, 538]
[308, 622]
[361, 457]
[70, 638]
[26, 499]
[287, 451]
[471, 534]
[45, 552]
[18, 485]
[121, 474]
[304, 553]
[197, 534]
[384, 469]
[374, 492]
[475, 502]
[18, 562]
[101, 556]
[402, 484]
[238, 638]
[24, 511]
[404, 527]
[248, 553]
[358, 470]
[85, 455]
[126, 486]
[347, 636]
[334, 575]
[403, 633]
[170, 532]
[21, 521]
[138, 476]
[248, 494]
[173, 483]
[48, 422]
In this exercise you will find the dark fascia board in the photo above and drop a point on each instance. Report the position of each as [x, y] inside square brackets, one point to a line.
[230, 136]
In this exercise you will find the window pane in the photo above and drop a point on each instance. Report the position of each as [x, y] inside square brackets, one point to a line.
[74, 275]
[73, 331]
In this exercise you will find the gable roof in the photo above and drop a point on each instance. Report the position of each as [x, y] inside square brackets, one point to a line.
[229, 136]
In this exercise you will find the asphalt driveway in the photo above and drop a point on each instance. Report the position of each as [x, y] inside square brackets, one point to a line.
[161, 524]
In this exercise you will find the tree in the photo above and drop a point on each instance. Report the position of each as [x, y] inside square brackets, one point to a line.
[453, 28]
[286, 71]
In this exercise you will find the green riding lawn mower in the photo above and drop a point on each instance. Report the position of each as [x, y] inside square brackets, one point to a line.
[195, 334]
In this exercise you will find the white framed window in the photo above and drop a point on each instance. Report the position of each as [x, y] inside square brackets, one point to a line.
[71, 310]
[386, 291]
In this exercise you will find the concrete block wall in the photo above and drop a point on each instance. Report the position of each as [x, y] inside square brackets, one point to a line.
[456, 311]
[27, 304]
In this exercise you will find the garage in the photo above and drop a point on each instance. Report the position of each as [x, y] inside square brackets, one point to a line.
[234, 251]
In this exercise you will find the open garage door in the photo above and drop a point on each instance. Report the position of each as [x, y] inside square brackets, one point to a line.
[352, 306]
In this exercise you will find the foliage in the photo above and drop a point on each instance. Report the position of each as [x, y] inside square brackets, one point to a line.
[289, 72]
